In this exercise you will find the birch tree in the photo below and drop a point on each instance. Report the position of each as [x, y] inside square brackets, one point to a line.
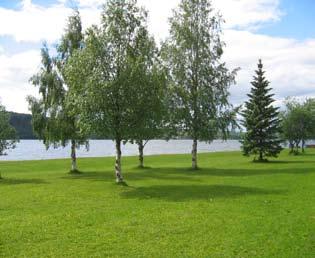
[297, 122]
[200, 80]
[53, 120]
[104, 72]
[149, 101]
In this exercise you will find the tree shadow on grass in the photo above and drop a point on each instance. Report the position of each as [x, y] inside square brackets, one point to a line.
[305, 154]
[185, 174]
[93, 175]
[257, 172]
[182, 173]
[133, 174]
[179, 193]
[19, 181]
[272, 162]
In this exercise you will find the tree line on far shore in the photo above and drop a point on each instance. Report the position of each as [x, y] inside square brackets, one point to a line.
[114, 81]
[22, 123]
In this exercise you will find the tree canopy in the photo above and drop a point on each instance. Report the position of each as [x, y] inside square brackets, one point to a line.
[298, 123]
[149, 105]
[110, 72]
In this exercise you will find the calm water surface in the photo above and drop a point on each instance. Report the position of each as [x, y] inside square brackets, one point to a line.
[35, 150]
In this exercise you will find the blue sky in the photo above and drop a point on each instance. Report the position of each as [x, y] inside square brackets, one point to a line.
[16, 4]
[281, 32]
[297, 20]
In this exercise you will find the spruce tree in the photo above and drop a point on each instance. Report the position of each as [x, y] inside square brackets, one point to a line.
[261, 120]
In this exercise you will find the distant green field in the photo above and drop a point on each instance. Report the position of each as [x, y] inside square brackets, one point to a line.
[230, 208]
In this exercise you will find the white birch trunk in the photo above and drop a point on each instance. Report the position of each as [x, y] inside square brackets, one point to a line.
[119, 178]
[73, 156]
[141, 147]
[194, 154]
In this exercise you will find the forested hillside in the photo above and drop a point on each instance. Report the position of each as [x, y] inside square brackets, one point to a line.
[23, 125]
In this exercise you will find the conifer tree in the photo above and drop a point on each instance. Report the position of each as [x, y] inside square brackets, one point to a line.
[261, 120]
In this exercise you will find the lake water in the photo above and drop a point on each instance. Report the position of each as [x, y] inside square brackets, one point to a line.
[35, 150]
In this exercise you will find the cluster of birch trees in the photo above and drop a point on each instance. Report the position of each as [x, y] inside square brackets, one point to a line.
[298, 123]
[115, 81]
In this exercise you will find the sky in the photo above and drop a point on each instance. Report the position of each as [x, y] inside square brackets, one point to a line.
[280, 32]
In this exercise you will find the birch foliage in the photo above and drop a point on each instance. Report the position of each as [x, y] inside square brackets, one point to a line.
[149, 106]
[104, 73]
[53, 120]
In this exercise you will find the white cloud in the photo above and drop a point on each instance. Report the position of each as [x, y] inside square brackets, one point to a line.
[34, 23]
[15, 72]
[289, 63]
[248, 13]
[89, 3]
[159, 13]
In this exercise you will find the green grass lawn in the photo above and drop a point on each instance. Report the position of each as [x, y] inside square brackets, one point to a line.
[230, 208]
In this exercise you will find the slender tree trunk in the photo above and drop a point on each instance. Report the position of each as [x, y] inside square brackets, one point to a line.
[303, 146]
[194, 154]
[119, 178]
[297, 147]
[73, 156]
[260, 156]
[141, 147]
[291, 147]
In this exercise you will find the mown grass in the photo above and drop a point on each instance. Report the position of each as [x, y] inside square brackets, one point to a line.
[229, 208]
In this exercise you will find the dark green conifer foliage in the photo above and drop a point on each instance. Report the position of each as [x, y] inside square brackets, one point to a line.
[261, 120]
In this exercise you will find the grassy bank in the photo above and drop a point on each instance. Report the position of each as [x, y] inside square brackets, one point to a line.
[229, 208]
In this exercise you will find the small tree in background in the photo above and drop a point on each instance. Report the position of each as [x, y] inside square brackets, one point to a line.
[8, 137]
[149, 107]
[298, 123]
[53, 119]
[310, 107]
[261, 120]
